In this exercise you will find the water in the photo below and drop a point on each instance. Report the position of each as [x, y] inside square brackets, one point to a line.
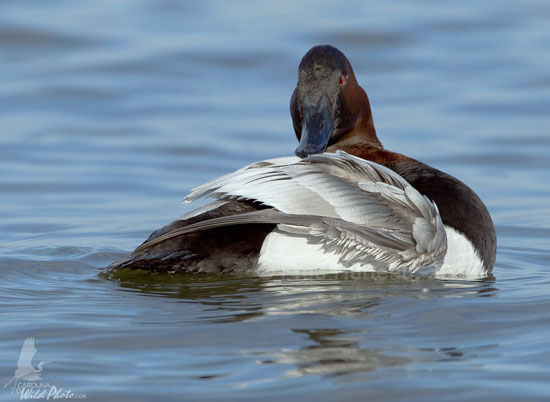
[110, 112]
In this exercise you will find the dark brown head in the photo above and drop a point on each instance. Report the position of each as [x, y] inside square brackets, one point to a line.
[328, 105]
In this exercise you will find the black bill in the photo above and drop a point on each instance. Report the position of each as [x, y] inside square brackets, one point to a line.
[317, 125]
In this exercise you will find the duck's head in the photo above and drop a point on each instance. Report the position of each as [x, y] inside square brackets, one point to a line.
[328, 105]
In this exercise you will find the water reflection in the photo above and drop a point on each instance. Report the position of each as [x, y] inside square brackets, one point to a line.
[335, 352]
[370, 303]
[227, 298]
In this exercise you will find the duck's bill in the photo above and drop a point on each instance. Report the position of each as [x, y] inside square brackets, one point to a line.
[317, 126]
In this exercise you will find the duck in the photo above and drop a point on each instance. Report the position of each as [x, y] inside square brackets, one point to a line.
[341, 203]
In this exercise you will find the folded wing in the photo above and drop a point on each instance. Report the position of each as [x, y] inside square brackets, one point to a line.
[362, 211]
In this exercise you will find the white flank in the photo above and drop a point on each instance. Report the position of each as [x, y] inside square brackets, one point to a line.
[461, 260]
[282, 253]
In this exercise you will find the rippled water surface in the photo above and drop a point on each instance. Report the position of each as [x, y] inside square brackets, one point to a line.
[111, 111]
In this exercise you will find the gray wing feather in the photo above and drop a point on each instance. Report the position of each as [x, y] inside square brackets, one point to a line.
[363, 211]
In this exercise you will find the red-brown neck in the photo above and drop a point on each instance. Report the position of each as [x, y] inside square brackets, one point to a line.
[357, 105]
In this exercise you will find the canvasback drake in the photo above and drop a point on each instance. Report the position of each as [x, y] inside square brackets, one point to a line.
[342, 203]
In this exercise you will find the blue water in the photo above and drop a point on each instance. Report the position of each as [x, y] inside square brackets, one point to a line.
[110, 112]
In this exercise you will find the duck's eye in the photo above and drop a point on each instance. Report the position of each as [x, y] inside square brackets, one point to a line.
[341, 81]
